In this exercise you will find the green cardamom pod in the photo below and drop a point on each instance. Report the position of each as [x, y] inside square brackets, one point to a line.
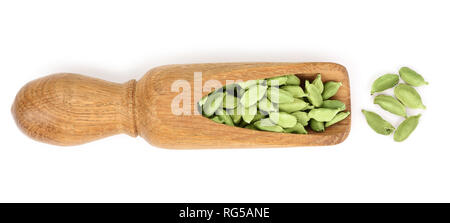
[258, 116]
[217, 119]
[200, 104]
[313, 94]
[253, 95]
[406, 128]
[265, 105]
[408, 96]
[336, 104]
[213, 103]
[275, 104]
[277, 81]
[202, 101]
[242, 123]
[339, 117]
[316, 125]
[296, 105]
[390, 104]
[318, 83]
[249, 113]
[240, 92]
[277, 95]
[298, 128]
[323, 114]
[236, 118]
[411, 77]
[250, 126]
[267, 125]
[231, 88]
[384, 82]
[227, 120]
[330, 89]
[229, 101]
[283, 119]
[292, 80]
[302, 117]
[295, 91]
[236, 114]
[377, 123]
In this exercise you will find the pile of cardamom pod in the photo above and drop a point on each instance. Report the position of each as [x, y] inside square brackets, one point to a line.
[405, 97]
[277, 104]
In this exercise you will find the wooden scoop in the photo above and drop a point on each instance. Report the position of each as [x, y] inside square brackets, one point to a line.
[71, 109]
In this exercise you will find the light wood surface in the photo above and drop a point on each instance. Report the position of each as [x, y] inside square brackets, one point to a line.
[72, 109]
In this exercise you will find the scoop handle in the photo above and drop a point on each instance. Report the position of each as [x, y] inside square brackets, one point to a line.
[72, 109]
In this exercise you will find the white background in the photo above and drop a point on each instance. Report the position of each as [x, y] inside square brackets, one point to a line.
[121, 40]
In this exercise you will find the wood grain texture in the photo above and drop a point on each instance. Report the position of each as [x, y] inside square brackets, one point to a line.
[71, 109]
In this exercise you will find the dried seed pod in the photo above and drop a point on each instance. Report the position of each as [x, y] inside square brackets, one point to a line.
[202, 101]
[231, 89]
[302, 117]
[265, 105]
[277, 81]
[253, 95]
[283, 119]
[406, 128]
[213, 103]
[242, 123]
[411, 77]
[318, 83]
[377, 123]
[295, 91]
[240, 92]
[227, 120]
[277, 95]
[390, 104]
[235, 114]
[384, 82]
[330, 89]
[249, 113]
[292, 80]
[323, 114]
[267, 125]
[200, 104]
[336, 104]
[251, 126]
[408, 96]
[339, 117]
[298, 128]
[317, 126]
[313, 94]
[258, 116]
[282, 110]
[229, 101]
[217, 119]
[296, 105]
